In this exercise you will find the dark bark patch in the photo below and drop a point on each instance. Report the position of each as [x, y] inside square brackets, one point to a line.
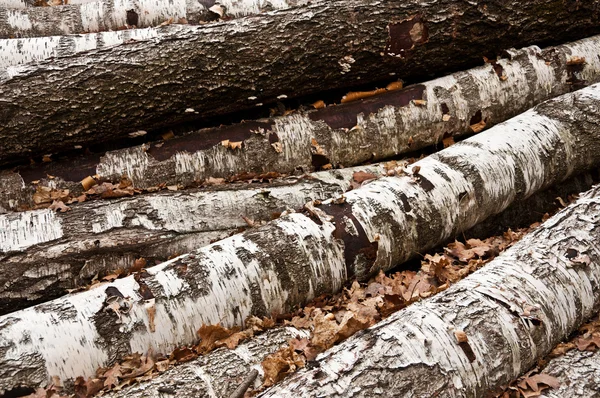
[405, 35]
[207, 139]
[574, 76]
[498, 69]
[467, 350]
[112, 291]
[319, 161]
[445, 109]
[345, 116]
[359, 252]
[476, 118]
[405, 204]
[132, 18]
[273, 138]
[144, 290]
[425, 183]
[68, 169]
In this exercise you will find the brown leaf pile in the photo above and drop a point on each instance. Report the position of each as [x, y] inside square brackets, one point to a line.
[587, 338]
[532, 384]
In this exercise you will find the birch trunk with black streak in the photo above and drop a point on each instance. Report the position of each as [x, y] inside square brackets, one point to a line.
[292, 259]
[104, 15]
[513, 312]
[44, 254]
[234, 65]
[348, 134]
[578, 373]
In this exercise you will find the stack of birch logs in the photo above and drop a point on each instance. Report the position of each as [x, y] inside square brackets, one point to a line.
[128, 130]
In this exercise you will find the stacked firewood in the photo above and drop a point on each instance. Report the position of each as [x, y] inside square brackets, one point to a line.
[288, 198]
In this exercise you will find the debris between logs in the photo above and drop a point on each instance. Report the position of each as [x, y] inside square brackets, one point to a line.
[350, 134]
[190, 72]
[483, 332]
[291, 260]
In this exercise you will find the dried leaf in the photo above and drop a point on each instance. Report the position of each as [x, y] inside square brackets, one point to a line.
[318, 104]
[362, 176]
[461, 336]
[59, 206]
[283, 362]
[88, 182]
[478, 127]
[210, 335]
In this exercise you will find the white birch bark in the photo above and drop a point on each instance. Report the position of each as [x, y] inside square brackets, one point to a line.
[301, 255]
[513, 312]
[149, 85]
[44, 253]
[104, 15]
[578, 373]
[350, 134]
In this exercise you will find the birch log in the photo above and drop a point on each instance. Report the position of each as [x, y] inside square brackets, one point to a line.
[349, 134]
[301, 255]
[578, 373]
[44, 254]
[103, 15]
[507, 315]
[234, 65]
[217, 374]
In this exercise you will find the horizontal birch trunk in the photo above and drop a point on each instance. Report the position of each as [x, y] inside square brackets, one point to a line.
[19, 4]
[103, 15]
[299, 256]
[481, 333]
[44, 254]
[217, 374]
[344, 135]
[150, 84]
[578, 373]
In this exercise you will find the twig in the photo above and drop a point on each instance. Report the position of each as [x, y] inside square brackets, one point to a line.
[241, 390]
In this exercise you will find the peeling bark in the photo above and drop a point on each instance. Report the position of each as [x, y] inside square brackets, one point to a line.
[578, 372]
[513, 312]
[349, 134]
[293, 259]
[43, 253]
[150, 84]
[103, 15]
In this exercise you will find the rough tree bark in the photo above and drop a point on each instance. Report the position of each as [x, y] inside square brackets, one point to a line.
[234, 65]
[298, 256]
[578, 373]
[103, 15]
[44, 253]
[348, 134]
[481, 333]
[217, 374]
